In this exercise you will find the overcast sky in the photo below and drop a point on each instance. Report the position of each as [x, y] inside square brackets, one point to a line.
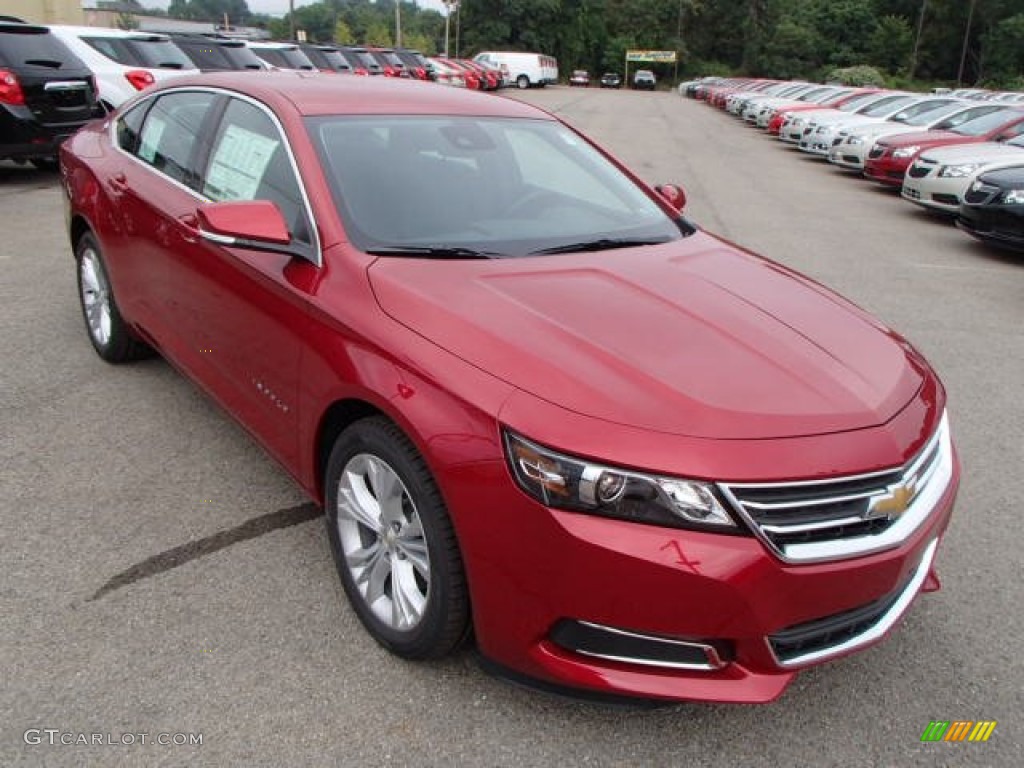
[280, 7]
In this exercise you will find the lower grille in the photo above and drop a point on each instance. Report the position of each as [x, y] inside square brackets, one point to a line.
[819, 520]
[840, 633]
[946, 199]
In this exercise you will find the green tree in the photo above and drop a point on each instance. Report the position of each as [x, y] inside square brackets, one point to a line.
[890, 44]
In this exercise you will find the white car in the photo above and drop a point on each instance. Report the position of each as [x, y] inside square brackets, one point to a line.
[856, 140]
[124, 62]
[822, 133]
[939, 177]
[793, 127]
[825, 100]
[447, 74]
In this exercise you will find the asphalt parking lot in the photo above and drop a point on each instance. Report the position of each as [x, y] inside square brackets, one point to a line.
[162, 576]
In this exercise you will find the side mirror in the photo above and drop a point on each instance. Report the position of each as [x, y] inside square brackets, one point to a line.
[673, 195]
[256, 224]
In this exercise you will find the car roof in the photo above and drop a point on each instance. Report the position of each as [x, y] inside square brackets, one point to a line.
[316, 93]
[108, 32]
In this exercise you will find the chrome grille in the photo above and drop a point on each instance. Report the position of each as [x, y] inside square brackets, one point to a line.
[919, 171]
[876, 152]
[819, 520]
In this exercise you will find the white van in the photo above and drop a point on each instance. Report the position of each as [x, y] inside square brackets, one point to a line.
[523, 69]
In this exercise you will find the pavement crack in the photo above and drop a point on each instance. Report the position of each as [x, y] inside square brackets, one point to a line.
[193, 550]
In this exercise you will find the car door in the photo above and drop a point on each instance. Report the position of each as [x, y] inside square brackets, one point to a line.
[151, 187]
[243, 309]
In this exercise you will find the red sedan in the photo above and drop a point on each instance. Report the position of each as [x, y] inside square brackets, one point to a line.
[888, 160]
[534, 400]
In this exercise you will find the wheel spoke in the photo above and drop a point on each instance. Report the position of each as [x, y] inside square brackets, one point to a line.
[357, 503]
[387, 489]
[415, 551]
[365, 557]
[407, 601]
[374, 578]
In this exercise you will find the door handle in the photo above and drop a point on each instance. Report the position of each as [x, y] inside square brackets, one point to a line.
[189, 224]
[118, 183]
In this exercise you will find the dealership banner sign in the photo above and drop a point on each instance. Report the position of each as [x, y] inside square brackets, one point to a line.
[657, 57]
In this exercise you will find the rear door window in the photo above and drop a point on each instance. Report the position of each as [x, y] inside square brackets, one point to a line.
[171, 139]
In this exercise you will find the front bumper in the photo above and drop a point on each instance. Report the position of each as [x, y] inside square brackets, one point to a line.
[887, 170]
[935, 192]
[539, 568]
[994, 224]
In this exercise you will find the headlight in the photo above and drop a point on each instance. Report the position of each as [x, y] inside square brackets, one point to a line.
[561, 481]
[854, 140]
[1013, 197]
[958, 171]
[910, 151]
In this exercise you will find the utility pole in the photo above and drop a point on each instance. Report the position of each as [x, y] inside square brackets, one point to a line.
[458, 25]
[917, 38]
[398, 23]
[447, 22]
[967, 37]
[291, 17]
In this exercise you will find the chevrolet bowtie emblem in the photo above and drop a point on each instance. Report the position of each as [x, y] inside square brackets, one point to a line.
[894, 502]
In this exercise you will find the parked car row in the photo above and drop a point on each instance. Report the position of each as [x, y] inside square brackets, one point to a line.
[959, 154]
[55, 79]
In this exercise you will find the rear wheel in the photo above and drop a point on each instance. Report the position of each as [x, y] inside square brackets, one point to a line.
[108, 332]
[523, 82]
[45, 163]
[393, 543]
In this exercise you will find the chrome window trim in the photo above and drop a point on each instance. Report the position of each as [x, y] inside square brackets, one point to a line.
[934, 483]
[317, 251]
[877, 630]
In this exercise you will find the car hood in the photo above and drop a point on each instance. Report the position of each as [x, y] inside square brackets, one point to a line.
[926, 138]
[969, 153]
[693, 338]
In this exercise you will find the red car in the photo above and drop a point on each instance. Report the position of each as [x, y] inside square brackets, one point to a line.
[888, 160]
[533, 399]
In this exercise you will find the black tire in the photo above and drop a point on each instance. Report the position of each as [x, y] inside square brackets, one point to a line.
[522, 82]
[113, 339]
[443, 623]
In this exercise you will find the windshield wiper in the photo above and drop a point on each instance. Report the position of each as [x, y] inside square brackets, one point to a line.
[604, 244]
[433, 252]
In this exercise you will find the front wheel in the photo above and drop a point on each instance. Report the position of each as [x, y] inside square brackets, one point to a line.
[109, 333]
[393, 543]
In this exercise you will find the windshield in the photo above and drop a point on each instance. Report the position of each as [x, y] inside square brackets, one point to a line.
[458, 186]
[886, 106]
[859, 101]
[986, 123]
[924, 112]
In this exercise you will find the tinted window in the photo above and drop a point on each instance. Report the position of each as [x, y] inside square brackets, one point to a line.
[34, 46]
[156, 52]
[116, 49]
[205, 55]
[250, 161]
[129, 127]
[171, 134]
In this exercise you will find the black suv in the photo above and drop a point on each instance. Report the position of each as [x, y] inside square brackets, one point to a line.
[46, 94]
[216, 54]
